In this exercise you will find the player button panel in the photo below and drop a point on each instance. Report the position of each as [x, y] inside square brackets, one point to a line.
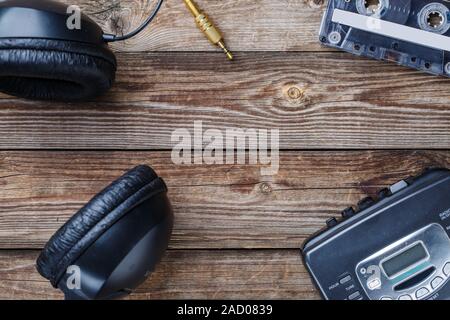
[424, 243]
[422, 292]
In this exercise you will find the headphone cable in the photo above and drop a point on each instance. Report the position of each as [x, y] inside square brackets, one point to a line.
[115, 38]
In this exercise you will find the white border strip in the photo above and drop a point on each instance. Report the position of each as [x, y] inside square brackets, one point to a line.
[392, 30]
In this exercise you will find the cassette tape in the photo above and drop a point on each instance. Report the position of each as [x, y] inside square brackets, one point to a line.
[412, 33]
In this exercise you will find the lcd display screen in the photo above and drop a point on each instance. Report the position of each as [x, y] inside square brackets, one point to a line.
[404, 260]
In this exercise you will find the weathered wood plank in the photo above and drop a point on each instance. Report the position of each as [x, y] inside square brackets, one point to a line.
[261, 274]
[247, 25]
[227, 206]
[318, 101]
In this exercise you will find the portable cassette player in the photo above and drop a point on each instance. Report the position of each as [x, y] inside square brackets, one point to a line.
[396, 247]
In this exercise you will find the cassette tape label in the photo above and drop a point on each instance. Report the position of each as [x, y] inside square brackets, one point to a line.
[413, 33]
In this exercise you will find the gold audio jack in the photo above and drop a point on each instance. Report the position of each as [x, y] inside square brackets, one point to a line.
[206, 26]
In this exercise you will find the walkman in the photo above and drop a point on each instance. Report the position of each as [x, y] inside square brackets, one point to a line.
[396, 247]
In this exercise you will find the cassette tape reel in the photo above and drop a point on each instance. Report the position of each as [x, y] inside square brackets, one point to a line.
[413, 33]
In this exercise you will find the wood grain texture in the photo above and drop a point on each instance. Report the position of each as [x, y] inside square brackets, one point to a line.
[192, 274]
[247, 25]
[317, 101]
[237, 232]
[216, 207]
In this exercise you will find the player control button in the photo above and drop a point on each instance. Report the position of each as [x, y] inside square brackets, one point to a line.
[374, 284]
[382, 194]
[405, 297]
[355, 296]
[332, 222]
[345, 280]
[422, 292]
[365, 203]
[348, 213]
[436, 282]
[398, 186]
[447, 269]
[386, 298]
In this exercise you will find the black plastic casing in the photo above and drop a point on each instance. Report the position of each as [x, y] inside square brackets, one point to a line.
[45, 19]
[125, 255]
[336, 250]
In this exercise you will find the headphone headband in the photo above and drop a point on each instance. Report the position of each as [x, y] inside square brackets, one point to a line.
[20, 17]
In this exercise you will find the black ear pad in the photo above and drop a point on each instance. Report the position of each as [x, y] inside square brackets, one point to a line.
[54, 69]
[88, 224]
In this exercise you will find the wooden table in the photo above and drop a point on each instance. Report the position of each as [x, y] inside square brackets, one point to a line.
[348, 126]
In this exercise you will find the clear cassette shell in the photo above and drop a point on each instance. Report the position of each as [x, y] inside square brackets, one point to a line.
[412, 33]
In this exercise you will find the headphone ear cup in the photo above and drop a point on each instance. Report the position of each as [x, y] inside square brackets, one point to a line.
[95, 218]
[55, 70]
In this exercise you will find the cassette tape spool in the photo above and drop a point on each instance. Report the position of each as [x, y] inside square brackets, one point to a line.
[412, 33]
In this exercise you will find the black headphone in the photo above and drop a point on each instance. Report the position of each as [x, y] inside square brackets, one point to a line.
[42, 58]
[113, 243]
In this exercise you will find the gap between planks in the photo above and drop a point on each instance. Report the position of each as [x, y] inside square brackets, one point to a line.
[216, 207]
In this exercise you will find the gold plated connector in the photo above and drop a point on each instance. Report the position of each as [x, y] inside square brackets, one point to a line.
[206, 26]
